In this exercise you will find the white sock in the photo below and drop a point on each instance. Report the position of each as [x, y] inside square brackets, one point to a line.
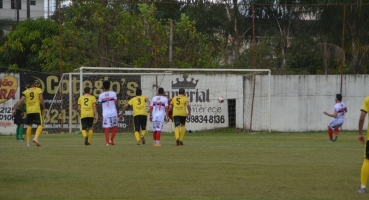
[363, 186]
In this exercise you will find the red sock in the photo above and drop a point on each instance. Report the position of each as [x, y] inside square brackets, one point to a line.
[330, 133]
[107, 135]
[336, 131]
[154, 135]
[114, 132]
[158, 135]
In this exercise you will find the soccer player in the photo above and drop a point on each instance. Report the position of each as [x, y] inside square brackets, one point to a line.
[365, 167]
[138, 104]
[158, 114]
[108, 103]
[88, 113]
[19, 121]
[33, 96]
[338, 118]
[178, 105]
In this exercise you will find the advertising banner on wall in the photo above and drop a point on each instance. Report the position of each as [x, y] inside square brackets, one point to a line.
[9, 96]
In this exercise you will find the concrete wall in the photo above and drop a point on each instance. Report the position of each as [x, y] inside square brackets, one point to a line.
[298, 102]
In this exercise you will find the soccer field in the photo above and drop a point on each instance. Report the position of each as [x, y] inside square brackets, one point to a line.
[226, 164]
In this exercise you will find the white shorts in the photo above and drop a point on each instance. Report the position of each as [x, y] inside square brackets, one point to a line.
[109, 122]
[335, 123]
[157, 125]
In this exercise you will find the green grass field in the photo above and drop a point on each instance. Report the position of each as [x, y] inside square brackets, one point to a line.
[220, 165]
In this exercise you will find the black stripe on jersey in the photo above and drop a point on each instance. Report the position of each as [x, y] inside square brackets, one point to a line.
[363, 110]
[106, 100]
[158, 104]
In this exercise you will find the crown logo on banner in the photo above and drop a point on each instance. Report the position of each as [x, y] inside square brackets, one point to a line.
[185, 84]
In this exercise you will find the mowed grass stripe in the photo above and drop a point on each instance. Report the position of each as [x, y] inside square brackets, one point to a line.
[223, 164]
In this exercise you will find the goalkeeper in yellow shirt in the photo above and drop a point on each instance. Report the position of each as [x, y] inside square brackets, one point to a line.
[88, 113]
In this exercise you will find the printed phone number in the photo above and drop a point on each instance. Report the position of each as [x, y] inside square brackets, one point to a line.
[216, 119]
[6, 113]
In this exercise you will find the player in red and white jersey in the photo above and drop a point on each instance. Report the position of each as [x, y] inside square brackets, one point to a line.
[158, 114]
[338, 118]
[108, 102]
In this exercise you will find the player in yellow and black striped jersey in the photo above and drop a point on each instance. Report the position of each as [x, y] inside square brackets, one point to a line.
[365, 167]
[34, 98]
[181, 109]
[88, 113]
[138, 104]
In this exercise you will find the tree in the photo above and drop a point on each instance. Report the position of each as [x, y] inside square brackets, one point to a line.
[23, 44]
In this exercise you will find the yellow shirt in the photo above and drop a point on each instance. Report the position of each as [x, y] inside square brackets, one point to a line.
[365, 107]
[87, 105]
[138, 105]
[179, 105]
[32, 100]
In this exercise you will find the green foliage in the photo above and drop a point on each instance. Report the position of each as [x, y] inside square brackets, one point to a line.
[20, 51]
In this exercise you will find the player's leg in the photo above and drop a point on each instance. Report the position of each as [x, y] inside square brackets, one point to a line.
[90, 124]
[137, 127]
[158, 132]
[21, 130]
[183, 130]
[39, 121]
[177, 125]
[106, 126]
[115, 129]
[154, 133]
[29, 128]
[330, 132]
[143, 120]
[84, 129]
[364, 175]
[334, 125]
[17, 120]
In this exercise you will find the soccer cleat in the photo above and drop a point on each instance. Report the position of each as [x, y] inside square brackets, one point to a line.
[335, 138]
[138, 143]
[111, 142]
[180, 142]
[329, 141]
[157, 145]
[36, 142]
[86, 141]
[361, 190]
[143, 139]
[107, 144]
[28, 145]
[21, 139]
[177, 142]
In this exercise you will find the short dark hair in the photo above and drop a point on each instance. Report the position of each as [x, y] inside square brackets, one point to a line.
[87, 90]
[339, 97]
[31, 82]
[181, 91]
[138, 91]
[106, 85]
[161, 90]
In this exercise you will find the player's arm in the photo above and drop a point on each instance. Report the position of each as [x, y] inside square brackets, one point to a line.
[123, 111]
[188, 109]
[20, 102]
[41, 97]
[95, 111]
[331, 115]
[361, 125]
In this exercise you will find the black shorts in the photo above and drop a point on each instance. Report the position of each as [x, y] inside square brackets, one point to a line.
[87, 123]
[34, 118]
[179, 120]
[139, 122]
[18, 119]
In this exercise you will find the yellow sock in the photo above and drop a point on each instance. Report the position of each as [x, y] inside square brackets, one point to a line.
[176, 133]
[365, 172]
[39, 130]
[29, 132]
[143, 132]
[84, 133]
[182, 133]
[137, 136]
[90, 133]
